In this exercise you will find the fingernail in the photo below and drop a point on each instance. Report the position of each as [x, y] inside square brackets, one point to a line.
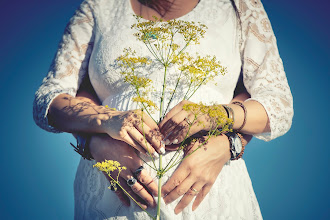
[156, 154]
[162, 150]
[175, 141]
[167, 142]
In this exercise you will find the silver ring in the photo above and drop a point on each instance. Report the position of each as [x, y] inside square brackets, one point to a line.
[187, 120]
[138, 171]
[131, 181]
[194, 190]
[113, 187]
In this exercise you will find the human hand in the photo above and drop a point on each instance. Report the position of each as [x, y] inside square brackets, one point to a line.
[136, 129]
[176, 123]
[197, 172]
[103, 147]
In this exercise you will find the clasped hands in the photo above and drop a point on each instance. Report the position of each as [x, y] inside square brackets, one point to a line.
[192, 179]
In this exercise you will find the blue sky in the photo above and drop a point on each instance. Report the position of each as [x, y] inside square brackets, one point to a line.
[290, 175]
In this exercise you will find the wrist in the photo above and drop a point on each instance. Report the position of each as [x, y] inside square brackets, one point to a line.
[225, 147]
[105, 119]
[236, 145]
[239, 116]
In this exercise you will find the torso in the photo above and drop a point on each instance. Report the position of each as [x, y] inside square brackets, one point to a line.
[113, 33]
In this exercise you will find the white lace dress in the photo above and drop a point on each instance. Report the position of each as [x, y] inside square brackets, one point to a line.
[97, 34]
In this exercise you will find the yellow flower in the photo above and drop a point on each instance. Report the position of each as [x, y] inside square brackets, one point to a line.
[109, 166]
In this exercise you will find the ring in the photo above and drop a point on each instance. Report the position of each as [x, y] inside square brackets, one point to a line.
[131, 181]
[138, 171]
[113, 187]
[187, 120]
[194, 190]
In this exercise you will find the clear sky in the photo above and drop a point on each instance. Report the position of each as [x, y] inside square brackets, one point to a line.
[290, 175]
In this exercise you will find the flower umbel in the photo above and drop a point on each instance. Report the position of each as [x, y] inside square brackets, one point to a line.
[167, 42]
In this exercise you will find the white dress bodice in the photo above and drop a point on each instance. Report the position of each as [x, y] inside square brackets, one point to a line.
[220, 40]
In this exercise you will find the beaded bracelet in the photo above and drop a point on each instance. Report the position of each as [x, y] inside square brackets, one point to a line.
[243, 146]
[245, 114]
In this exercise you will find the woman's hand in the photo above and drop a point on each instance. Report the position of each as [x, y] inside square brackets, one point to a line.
[136, 129]
[197, 173]
[175, 125]
[103, 147]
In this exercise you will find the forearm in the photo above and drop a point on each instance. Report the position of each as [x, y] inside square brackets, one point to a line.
[241, 98]
[256, 118]
[77, 114]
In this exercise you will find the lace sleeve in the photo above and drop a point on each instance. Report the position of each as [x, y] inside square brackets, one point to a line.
[263, 72]
[69, 64]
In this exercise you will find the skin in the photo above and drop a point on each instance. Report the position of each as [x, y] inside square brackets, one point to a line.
[210, 160]
[124, 128]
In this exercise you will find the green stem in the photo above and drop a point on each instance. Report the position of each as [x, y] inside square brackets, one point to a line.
[162, 97]
[195, 149]
[154, 168]
[145, 139]
[159, 186]
[176, 86]
[185, 95]
[117, 182]
[144, 107]
[153, 53]
[177, 152]
[196, 88]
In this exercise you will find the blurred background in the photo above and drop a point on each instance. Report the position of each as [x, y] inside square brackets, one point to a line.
[290, 175]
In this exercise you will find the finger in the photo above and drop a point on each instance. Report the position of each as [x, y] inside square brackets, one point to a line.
[122, 197]
[176, 179]
[152, 135]
[149, 121]
[172, 147]
[184, 129]
[131, 193]
[138, 189]
[119, 192]
[180, 190]
[139, 138]
[144, 194]
[201, 195]
[175, 110]
[172, 123]
[146, 180]
[128, 140]
[188, 197]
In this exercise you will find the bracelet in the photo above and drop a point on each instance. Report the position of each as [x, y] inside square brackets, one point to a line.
[230, 114]
[236, 145]
[245, 114]
[243, 145]
[82, 147]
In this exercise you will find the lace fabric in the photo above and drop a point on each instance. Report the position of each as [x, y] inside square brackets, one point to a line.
[96, 36]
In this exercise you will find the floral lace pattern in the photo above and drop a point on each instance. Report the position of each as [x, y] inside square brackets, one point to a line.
[97, 34]
[263, 72]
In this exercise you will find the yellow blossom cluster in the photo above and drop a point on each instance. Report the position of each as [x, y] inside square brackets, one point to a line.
[146, 103]
[216, 113]
[109, 166]
[199, 70]
[148, 31]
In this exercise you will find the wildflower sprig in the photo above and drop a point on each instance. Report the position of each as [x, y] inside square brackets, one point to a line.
[167, 42]
[159, 36]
